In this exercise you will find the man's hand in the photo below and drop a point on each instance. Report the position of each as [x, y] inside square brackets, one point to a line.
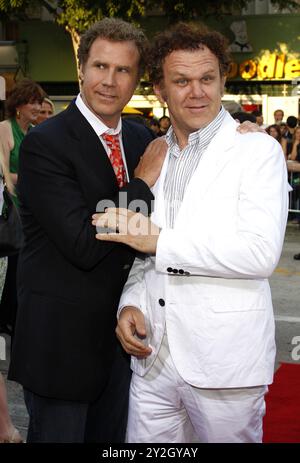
[248, 126]
[149, 167]
[131, 327]
[127, 227]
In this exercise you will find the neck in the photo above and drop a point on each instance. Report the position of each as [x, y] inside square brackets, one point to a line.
[182, 138]
[110, 122]
[23, 124]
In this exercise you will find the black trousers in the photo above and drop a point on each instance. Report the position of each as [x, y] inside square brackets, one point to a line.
[9, 302]
[102, 421]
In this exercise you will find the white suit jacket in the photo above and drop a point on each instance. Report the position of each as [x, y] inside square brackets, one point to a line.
[208, 282]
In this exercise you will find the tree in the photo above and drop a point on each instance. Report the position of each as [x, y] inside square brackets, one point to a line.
[177, 10]
[77, 15]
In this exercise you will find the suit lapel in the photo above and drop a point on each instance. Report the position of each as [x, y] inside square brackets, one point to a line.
[213, 161]
[91, 148]
[131, 145]
[159, 213]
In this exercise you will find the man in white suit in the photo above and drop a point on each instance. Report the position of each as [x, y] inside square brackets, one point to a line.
[196, 313]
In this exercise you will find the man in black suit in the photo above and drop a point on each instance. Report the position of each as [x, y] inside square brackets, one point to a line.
[65, 353]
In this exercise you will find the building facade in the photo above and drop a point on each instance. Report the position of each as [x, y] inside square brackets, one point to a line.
[264, 44]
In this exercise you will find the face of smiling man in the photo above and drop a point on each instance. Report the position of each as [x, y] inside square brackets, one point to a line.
[192, 87]
[109, 78]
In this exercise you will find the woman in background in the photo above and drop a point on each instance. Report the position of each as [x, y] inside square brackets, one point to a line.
[295, 179]
[275, 132]
[295, 153]
[22, 109]
[8, 433]
[47, 110]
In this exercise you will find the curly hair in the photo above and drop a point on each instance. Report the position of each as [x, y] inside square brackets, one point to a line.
[25, 91]
[188, 37]
[116, 30]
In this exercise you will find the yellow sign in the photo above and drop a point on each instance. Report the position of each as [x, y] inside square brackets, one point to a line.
[271, 67]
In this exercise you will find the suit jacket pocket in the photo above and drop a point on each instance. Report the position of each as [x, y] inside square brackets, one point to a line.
[240, 296]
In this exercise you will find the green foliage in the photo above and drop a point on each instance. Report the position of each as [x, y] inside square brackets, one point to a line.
[77, 15]
[13, 8]
[177, 10]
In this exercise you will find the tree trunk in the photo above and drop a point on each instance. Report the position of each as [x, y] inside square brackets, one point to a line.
[75, 42]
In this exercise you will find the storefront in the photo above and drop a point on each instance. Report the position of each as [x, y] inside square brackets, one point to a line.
[267, 83]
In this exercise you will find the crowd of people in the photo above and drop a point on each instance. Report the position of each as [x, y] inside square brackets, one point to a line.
[190, 298]
[288, 135]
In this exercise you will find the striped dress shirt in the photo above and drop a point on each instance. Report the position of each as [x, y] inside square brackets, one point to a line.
[182, 164]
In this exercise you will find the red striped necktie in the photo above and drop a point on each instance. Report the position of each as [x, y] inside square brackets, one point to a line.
[115, 157]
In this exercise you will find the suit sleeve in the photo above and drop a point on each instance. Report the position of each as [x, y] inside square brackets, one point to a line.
[250, 248]
[49, 189]
[134, 291]
[135, 196]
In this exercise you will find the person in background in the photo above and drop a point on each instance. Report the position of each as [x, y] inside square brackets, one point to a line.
[259, 119]
[154, 126]
[164, 124]
[196, 313]
[8, 433]
[47, 110]
[295, 177]
[22, 106]
[275, 132]
[295, 152]
[291, 123]
[283, 128]
[278, 116]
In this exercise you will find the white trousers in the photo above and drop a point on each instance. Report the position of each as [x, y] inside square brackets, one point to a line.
[163, 408]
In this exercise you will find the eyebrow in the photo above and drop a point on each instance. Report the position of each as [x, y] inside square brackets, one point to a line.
[99, 61]
[179, 74]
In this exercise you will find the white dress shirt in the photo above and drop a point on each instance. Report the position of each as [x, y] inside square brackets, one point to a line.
[100, 128]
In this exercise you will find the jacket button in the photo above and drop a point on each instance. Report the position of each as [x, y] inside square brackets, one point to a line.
[161, 302]
[180, 271]
[187, 273]
[169, 269]
[175, 270]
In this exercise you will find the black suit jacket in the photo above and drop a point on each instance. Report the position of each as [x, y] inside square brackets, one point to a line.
[69, 283]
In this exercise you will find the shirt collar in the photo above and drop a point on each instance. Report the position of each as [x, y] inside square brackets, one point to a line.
[195, 137]
[99, 126]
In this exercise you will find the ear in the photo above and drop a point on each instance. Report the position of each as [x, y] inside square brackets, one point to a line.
[81, 73]
[159, 92]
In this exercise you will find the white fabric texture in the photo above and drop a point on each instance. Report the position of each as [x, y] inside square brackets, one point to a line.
[163, 408]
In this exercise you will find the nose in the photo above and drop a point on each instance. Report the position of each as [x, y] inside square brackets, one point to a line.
[197, 89]
[109, 78]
